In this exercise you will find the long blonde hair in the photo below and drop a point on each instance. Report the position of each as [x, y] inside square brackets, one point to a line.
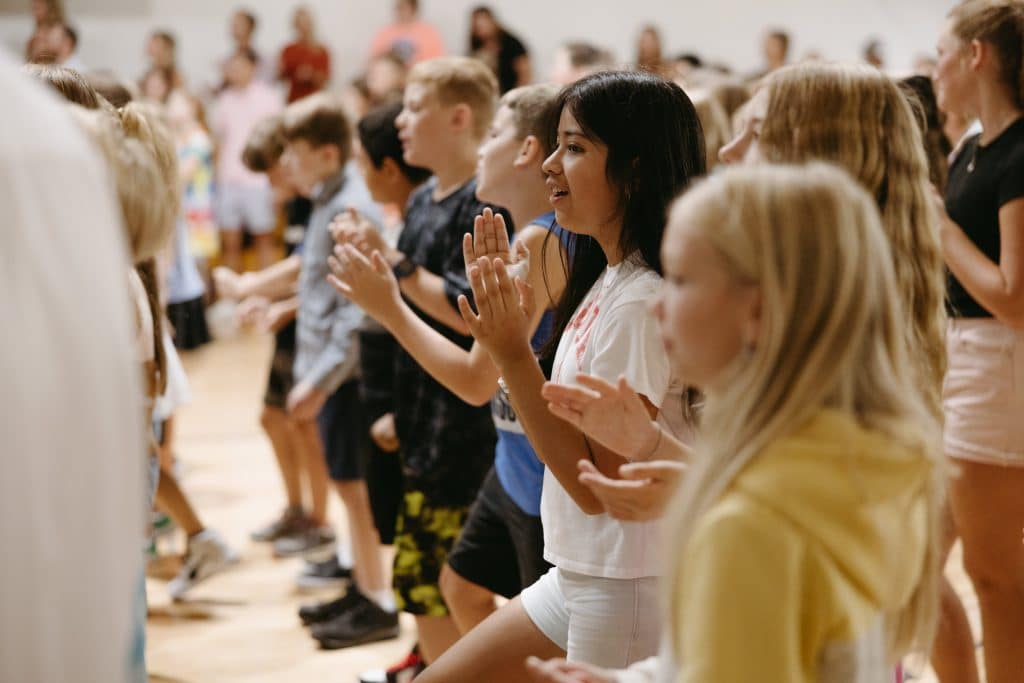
[856, 117]
[810, 240]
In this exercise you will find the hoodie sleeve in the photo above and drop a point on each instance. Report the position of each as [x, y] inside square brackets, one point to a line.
[741, 601]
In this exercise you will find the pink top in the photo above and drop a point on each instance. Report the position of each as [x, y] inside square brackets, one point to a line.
[413, 42]
[237, 111]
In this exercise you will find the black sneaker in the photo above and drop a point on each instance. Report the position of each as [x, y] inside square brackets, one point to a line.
[326, 611]
[326, 574]
[364, 623]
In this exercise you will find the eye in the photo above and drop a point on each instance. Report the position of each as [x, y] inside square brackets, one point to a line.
[574, 148]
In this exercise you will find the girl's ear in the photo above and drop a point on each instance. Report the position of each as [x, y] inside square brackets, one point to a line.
[529, 152]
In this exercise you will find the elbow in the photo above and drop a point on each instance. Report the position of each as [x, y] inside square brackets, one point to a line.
[478, 398]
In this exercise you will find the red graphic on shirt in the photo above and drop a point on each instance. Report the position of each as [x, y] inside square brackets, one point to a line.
[581, 326]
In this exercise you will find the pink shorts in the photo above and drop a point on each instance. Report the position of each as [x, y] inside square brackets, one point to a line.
[983, 393]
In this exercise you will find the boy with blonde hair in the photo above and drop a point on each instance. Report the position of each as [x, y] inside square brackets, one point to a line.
[447, 446]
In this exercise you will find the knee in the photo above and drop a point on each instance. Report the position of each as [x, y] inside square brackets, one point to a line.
[459, 591]
[352, 493]
[270, 418]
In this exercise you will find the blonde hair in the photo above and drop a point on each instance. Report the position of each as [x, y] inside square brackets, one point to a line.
[858, 118]
[1000, 23]
[714, 122]
[461, 80]
[145, 178]
[810, 240]
[531, 107]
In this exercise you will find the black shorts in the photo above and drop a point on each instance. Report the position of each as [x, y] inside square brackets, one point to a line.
[188, 319]
[343, 433]
[280, 380]
[384, 483]
[501, 547]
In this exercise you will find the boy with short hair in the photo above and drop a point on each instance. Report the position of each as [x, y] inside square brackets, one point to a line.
[325, 398]
[447, 446]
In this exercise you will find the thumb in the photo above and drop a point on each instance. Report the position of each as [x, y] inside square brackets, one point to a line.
[380, 263]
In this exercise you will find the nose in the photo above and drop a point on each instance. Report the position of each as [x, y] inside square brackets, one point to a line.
[400, 120]
[553, 164]
[734, 151]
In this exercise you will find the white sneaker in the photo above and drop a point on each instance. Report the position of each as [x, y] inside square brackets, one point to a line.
[207, 555]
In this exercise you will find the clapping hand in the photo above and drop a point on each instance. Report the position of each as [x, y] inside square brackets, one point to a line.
[366, 281]
[643, 492]
[562, 671]
[490, 240]
[612, 414]
[505, 311]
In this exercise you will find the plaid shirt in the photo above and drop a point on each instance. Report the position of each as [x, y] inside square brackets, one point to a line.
[447, 444]
[327, 324]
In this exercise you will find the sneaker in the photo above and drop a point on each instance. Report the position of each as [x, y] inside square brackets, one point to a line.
[311, 542]
[402, 672]
[322, 612]
[207, 555]
[364, 623]
[326, 574]
[290, 522]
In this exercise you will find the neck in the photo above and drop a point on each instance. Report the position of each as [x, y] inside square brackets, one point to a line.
[996, 111]
[528, 205]
[608, 239]
[453, 173]
[401, 199]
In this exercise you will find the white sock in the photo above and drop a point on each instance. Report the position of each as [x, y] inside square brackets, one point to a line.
[345, 554]
[385, 599]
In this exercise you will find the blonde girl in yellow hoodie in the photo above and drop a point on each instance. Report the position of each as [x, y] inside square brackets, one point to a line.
[806, 529]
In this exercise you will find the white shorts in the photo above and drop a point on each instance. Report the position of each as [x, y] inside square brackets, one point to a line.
[245, 206]
[983, 393]
[610, 623]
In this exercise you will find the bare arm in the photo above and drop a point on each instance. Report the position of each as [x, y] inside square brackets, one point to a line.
[502, 328]
[999, 287]
[471, 375]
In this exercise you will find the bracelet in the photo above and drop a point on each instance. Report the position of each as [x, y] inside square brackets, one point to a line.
[656, 443]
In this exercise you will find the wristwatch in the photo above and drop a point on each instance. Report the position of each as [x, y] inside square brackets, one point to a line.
[403, 268]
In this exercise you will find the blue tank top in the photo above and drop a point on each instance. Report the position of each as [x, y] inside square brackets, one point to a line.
[519, 470]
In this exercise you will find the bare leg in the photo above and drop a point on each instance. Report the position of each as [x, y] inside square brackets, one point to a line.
[266, 252]
[469, 603]
[988, 505]
[953, 654]
[315, 464]
[172, 500]
[231, 249]
[366, 548]
[435, 635]
[495, 651]
[278, 427]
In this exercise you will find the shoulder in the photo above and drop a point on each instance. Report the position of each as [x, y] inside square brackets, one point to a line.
[738, 526]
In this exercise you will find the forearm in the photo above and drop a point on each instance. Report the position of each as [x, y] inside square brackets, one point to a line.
[557, 444]
[427, 291]
[278, 281]
[470, 376]
[983, 279]
[668, 447]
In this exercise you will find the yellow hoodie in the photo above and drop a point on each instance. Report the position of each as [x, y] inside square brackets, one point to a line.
[787, 577]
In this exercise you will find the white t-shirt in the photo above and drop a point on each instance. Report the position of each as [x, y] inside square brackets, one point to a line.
[612, 333]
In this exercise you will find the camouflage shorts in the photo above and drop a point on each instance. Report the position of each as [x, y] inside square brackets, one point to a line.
[424, 535]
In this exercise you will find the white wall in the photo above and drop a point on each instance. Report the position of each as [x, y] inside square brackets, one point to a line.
[726, 30]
